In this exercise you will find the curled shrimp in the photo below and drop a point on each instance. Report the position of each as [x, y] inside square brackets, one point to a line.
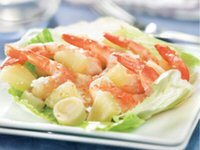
[145, 73]
[136, 48]
[174, 60]
[47, 50]
[56, 72]
[13, 58]
[117, 72]
[137, 66]
[99, 51]
[125, 100]
[39, 49]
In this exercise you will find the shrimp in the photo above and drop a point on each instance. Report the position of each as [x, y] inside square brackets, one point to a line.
[99, 51]
[145, 73]
[47, 50]
[136, 65]
[136, 48]
[174, 60]
[126, 100]
[56, 72]
[21, 59]
[13, 58]
[59, 52]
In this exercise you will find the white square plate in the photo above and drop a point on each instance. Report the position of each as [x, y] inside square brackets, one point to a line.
[168, 130]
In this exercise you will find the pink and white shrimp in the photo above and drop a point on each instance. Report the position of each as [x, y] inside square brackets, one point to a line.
[174, 60]
[126, 100]
[136, 48]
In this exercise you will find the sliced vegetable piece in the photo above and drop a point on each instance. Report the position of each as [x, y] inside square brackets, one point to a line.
[74, 60]
[119, 75]
[67, 89]
[17, 76]
[31, 68]
[36, 102]
[70, 111]
[104, 107]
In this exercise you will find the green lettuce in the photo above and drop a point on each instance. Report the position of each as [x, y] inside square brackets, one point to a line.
[126, 122]
[168, 91]
[46, 112]
[15, 92]
[190, 60]
[121, 123]
[31, 68]
[44, 37]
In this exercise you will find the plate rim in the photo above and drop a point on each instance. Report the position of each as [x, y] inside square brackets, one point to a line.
[95, 134]
[42, 127]
[83, 139]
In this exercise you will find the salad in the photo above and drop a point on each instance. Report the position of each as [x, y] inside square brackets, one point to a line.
[105, 74]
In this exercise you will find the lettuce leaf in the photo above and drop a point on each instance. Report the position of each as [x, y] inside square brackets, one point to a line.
[168, 91]
[15, 92]
[121, 123]
[190, 60]
[44, 37]
[126, 122]
[46, 112]
[31, 68]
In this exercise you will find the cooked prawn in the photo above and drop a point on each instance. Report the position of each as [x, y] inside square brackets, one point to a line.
[99, 51]
[136, 48]
[16, 57]
[174, 60]
[145, 73]
[126, 100]
[136, 65]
